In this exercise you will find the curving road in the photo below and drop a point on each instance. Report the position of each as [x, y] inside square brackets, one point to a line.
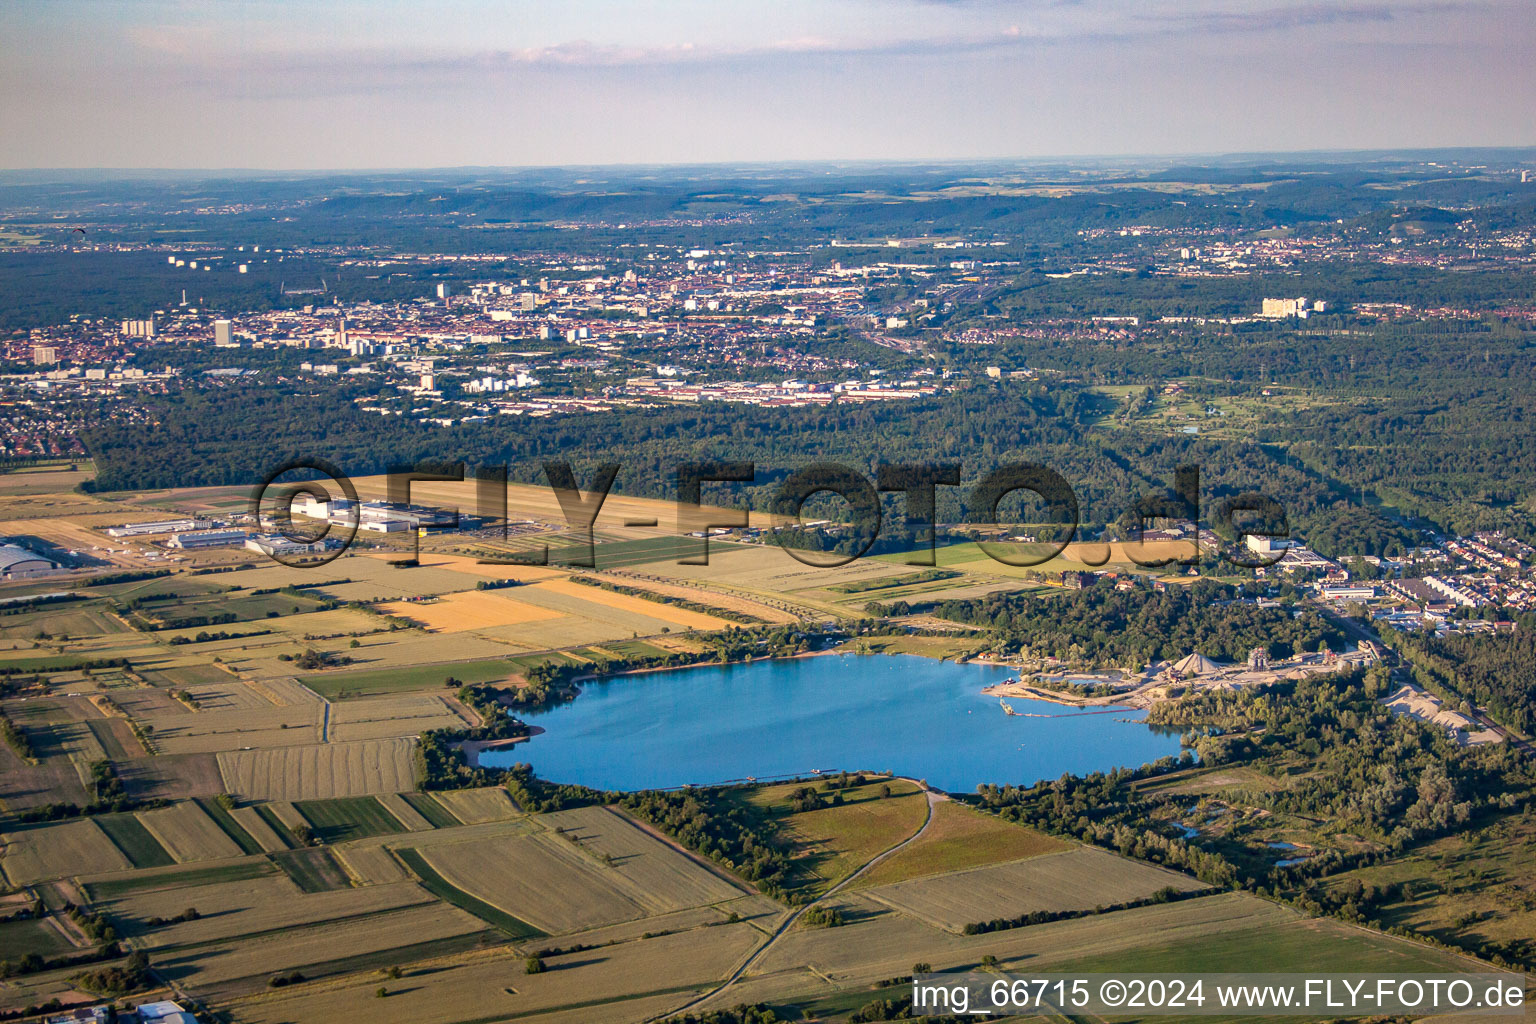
[784, 926]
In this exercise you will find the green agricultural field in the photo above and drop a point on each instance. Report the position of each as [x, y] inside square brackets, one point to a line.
[39, 662]
[1288, 942]
[222, 818]
[18, 938]
[882, 585]
[1074, 880]
[274, 822]
[336, 821]
[435, 813]
[73, 619]
[634, 649]
[926, 646]
[179, 587]
[438, 886]
[960, 838]
[130, 835]
[341, 685]
[526, 661]
[312, 869]
[831, 842]
[211, 610]
[115, 886]
[181, 676]
[623, 554]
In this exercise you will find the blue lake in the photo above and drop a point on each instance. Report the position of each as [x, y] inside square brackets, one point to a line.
[915, 716]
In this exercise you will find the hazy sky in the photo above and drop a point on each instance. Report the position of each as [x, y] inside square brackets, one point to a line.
[343, 83]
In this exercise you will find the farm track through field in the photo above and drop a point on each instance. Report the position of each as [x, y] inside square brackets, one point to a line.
[789, 922]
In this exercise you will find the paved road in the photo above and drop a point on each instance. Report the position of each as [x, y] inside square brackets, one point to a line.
[788, 922]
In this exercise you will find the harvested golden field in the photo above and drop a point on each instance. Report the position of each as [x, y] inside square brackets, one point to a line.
[47, 480]
[371, 577]
[257, 957]
[768, 568]
[171, 776]
[370, 865]
[284, 691]
[77, 847]
[590, 869]
[228, 696]
[701, 593]
[423, 841]
[634, 605]
[187, 833]
[248, 819]
[205, 732]
[288, 814]
[474, 567]
[320, 771]
[600, 985]
[25, 786]
[538, 503]
[970, 557]
[247, 906]
[959, 838]
[664, 878]
[404, 813]
[468, 609]
[413, 647]
[149, 702]
[541, 879]
[574, 615]
[1077, 879]
[760, 911]
[369, 718]
[1127, 553]
[476, 806]
[1221, 932]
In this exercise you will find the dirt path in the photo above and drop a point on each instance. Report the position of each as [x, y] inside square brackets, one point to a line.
[789, 921]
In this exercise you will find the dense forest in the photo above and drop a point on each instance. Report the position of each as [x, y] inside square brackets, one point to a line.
[1103, 626]
[1345, 761]
[237, 434]
[1497, 673]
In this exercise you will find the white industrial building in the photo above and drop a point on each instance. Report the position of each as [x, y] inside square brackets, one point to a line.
[19, 563]
[207, 539]
[277, 544]
[373, 516]
[163, 526]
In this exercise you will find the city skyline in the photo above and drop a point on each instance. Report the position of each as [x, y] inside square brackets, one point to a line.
[269, 85]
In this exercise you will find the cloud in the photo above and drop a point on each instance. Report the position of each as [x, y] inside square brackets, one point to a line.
[995, 25]
[250, 61]
[1285, 18]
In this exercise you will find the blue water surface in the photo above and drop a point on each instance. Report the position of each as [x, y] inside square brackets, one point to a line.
[915, 716]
